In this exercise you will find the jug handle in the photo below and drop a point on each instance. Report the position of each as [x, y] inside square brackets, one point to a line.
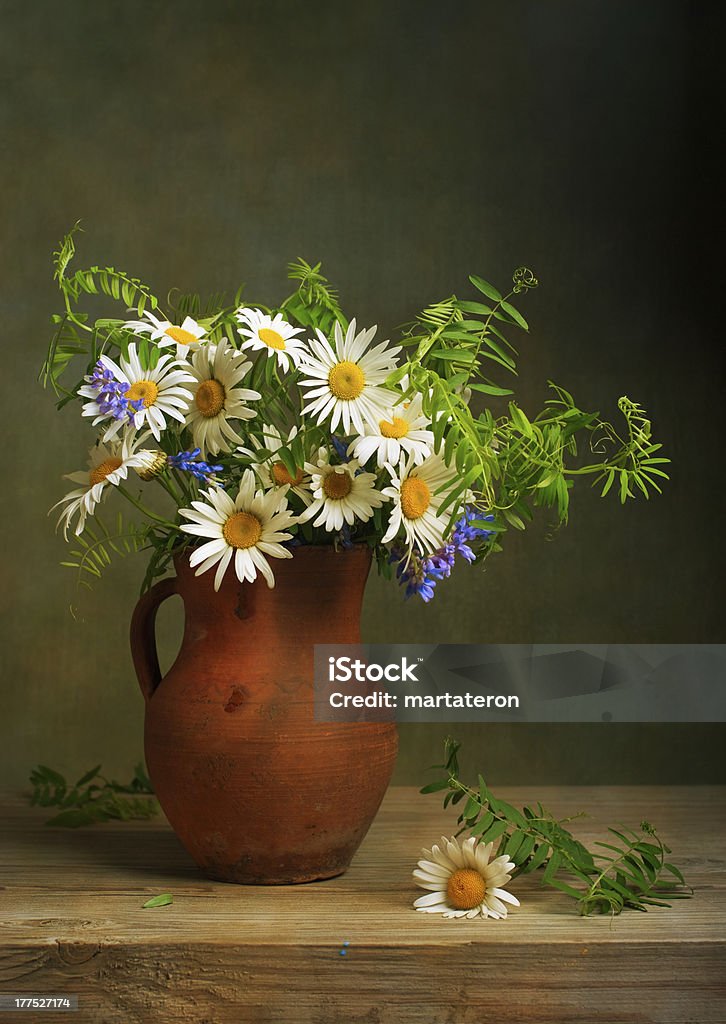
[143, 636]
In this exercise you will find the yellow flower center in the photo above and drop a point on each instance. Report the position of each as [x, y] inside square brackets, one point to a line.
[415, 497]
[466, 889]
[181, 336]
[210, 398]
[271, 338]
[397, 427]
[102, 470]
[346, 380]
[242, 530]
[145, 390]
[281, 476]
[337, 485]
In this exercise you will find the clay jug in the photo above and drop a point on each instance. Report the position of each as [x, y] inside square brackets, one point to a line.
[254, 787]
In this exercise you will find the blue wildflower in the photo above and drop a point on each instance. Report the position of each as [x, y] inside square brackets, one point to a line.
[341, 448]
[189, 462]
[421, 574]
[111, 397]
[414, 574]
[345, 540]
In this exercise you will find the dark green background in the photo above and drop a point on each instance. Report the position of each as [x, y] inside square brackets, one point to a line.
[406, 145]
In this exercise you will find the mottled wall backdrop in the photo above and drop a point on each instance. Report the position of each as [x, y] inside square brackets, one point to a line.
[406, 144]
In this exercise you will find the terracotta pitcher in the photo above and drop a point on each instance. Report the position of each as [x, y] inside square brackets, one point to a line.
[255, 788]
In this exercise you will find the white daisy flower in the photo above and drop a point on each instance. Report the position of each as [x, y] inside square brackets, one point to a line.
[157, 392]
[273, 335]
[247, 528]
[107, 464]
[462, 881]
[403, 431]
[217, 397]
[185, 339]
[340, 493]
[345, 381]
[416, 503]
[273, 472]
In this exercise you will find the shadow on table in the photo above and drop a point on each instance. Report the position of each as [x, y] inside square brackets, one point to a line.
[130, 849]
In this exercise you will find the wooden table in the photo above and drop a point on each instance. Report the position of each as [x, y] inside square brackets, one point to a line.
[71, 923]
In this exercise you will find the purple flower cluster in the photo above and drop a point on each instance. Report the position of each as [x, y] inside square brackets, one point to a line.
[111, 396]
[420, 575]
[189, 462]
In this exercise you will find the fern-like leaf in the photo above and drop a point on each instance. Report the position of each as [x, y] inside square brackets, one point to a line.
[98, 545]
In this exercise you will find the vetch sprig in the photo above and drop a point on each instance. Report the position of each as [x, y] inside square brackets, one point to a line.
[93, 798]
[634, 873]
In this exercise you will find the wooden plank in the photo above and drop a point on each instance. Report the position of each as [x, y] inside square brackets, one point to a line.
[71, 921]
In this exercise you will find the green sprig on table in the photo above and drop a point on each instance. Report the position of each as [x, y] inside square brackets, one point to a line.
[92, 798]
[632, 873]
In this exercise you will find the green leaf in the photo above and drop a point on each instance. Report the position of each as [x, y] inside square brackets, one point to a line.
[525, 850]
[496, 830]
[608, 483]
[471, 808]
[675, 871]
[491, 389]
[512, 814]
[452, 439]
[475, 307]
[513, 844]
[621, 889]
[435, 787]
[553, 865]
[520, 420]
[498, 354]
[287, 459]
[397, 375]
[485, 524]
[163, 900]
[483, 824]
[485, 288]
[88, 776]
[547, 480]
[495, 330]
[513, 518]
[631, 867]
[51, 776]
[458, 355]
[540, 856]
[298, 451]
[569, 890]
[515, 315]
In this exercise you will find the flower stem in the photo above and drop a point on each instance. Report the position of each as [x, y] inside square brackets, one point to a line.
[146, 511]
[166, 482]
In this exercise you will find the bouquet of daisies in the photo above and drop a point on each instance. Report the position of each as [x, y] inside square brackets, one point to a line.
[264, 428]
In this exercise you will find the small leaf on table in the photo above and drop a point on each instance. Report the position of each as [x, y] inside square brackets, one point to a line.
[162, 900]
